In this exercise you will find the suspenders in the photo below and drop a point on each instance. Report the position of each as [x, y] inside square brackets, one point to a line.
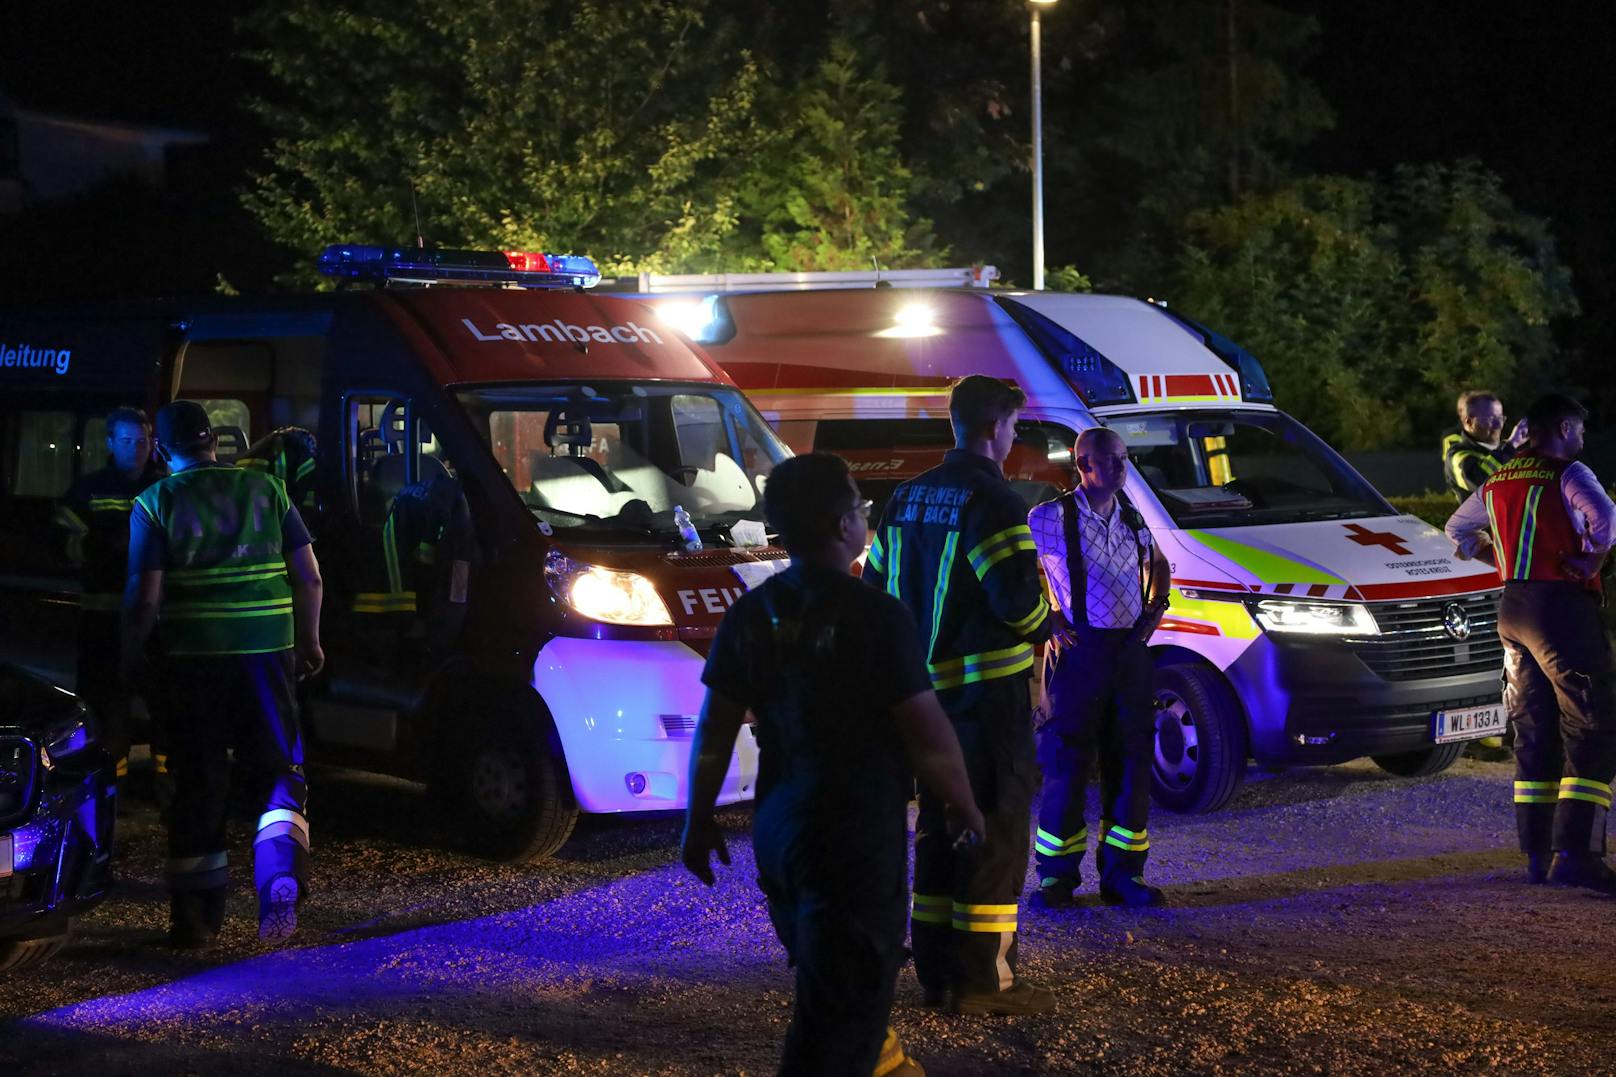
[1076, 569]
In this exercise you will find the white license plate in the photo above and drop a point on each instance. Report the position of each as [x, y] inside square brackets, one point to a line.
[1468, 723]
[5, 855]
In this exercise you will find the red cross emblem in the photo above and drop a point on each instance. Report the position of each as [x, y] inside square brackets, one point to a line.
[1365, 537]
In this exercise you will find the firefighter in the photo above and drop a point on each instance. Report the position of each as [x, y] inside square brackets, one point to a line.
[954, 546]
[289, 454]
[419, 583]
[221, 557]
[1544, 520]
[835, 674]
[95, 515]
[1477, 448]
[1110, 583]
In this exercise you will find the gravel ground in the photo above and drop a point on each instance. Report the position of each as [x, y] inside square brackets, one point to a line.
[1329, 921]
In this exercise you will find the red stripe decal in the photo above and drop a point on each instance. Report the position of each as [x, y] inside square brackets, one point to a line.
[1144, 387]
[1208, 585]
[1194, 628]
[1486, 581]
[1190, 385]
[1318, 590]
[1282, 589]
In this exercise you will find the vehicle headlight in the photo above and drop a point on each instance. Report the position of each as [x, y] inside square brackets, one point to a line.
[64, 740]
[606, 594]
[1316, 618]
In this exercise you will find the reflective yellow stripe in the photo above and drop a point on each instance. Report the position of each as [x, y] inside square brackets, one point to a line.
[985, 918]
[1535, 792]
[996, 547]
[893, 577]
[111, 504]
[210, 574]
[986, 910]
[990, 665]
[876, 559]
[120, 769]
[1050, 845]
[931, 908]
[249, 576]
[384, 602]
[892, 1055]
[1135, 841]
[1231, 619]
[1585, 789]
[1027, 624]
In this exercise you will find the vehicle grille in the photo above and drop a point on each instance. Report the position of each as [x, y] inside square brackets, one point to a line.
[679, 726]
[1414, 644]
[19, 765]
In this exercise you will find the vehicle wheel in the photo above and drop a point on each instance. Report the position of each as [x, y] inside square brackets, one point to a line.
[1433, 760]
[1200, 740]
[21, 953]
[516, 794]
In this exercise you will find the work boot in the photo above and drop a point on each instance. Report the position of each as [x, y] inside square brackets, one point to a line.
[1057, 893]
[894, 1062]
[1133, 892]
[1586, 870]
[194, 918]
[1537, 868]
[277, 909]
[1023, 998]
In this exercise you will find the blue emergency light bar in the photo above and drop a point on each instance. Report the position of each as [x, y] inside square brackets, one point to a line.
[415, 265]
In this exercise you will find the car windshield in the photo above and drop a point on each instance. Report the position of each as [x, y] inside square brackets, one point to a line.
[613, 457]
[1234, 468]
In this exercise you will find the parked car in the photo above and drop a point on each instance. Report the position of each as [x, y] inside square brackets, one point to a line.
[56, 816]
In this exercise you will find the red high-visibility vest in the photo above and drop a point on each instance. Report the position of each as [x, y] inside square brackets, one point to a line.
[1532, 530]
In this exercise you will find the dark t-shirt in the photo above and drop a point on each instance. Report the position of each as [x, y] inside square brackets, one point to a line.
[820, 659]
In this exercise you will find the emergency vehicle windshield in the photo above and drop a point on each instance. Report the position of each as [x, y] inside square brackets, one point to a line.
[611, 457]
[1212, 468]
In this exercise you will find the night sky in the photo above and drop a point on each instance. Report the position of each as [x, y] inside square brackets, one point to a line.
[1518, 86]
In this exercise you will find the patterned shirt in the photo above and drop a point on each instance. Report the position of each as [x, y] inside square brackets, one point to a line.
[1112, 585]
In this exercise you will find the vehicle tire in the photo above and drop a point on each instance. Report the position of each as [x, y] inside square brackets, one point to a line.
[1200, 747]
[516, 795]
[23, 953]
[1418, 764]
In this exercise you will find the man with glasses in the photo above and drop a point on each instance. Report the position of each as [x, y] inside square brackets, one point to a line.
[1477, 448]
[953, 545]
[1110, 584]
[834, 673]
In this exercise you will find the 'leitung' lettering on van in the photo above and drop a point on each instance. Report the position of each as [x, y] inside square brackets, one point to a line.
[26, 355]
[559, 331]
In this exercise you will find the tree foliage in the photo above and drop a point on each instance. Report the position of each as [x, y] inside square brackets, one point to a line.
[1374, 302]
[631, 131]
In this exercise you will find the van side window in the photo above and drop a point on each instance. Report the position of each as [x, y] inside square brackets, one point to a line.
[43, 452]
[255, 385]
[378, 465]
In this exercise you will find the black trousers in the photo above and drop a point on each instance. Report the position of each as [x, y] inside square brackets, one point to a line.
[244, 702]
[1561, 699]
[837, 897]
[963, 928]
[100, 684]
[1099, 712]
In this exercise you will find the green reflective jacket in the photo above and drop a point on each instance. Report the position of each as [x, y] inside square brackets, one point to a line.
[225, 585]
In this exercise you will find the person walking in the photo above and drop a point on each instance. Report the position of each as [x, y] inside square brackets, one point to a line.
[834, 672]
[1547, 524]
[220, 557]
[94, 514]
[1110, 585]
[954, 546]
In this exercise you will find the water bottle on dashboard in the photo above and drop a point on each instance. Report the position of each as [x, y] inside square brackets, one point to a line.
[687, 529]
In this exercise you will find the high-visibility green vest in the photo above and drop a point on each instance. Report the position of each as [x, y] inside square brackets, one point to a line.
[225, 586]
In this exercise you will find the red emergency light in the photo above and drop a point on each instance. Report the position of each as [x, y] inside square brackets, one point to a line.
[528, 261]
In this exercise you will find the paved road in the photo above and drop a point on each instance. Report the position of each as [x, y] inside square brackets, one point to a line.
[1335, 920]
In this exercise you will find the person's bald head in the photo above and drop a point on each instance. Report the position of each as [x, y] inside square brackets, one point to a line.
[1101, 459]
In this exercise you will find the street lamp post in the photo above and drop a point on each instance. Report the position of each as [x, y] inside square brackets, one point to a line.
[1036, 8]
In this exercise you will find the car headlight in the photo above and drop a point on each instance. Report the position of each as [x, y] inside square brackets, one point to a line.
[606, 594]
[64, 740]
[1316, 618]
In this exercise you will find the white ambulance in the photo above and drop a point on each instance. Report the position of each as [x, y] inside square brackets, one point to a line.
[1311, 623]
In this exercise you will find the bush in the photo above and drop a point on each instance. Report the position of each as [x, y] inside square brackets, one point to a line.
[1433, 506]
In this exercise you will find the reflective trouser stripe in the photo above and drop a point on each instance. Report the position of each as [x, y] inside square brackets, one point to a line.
[892, 1055]
[1135, 841]
[281, 821]
[160, 763]
[994, 918]
[1050, 845]
[198, 872]
[384, 602]
[120, 769]
[1534, 792]
[931, 908]
[1585, 789]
